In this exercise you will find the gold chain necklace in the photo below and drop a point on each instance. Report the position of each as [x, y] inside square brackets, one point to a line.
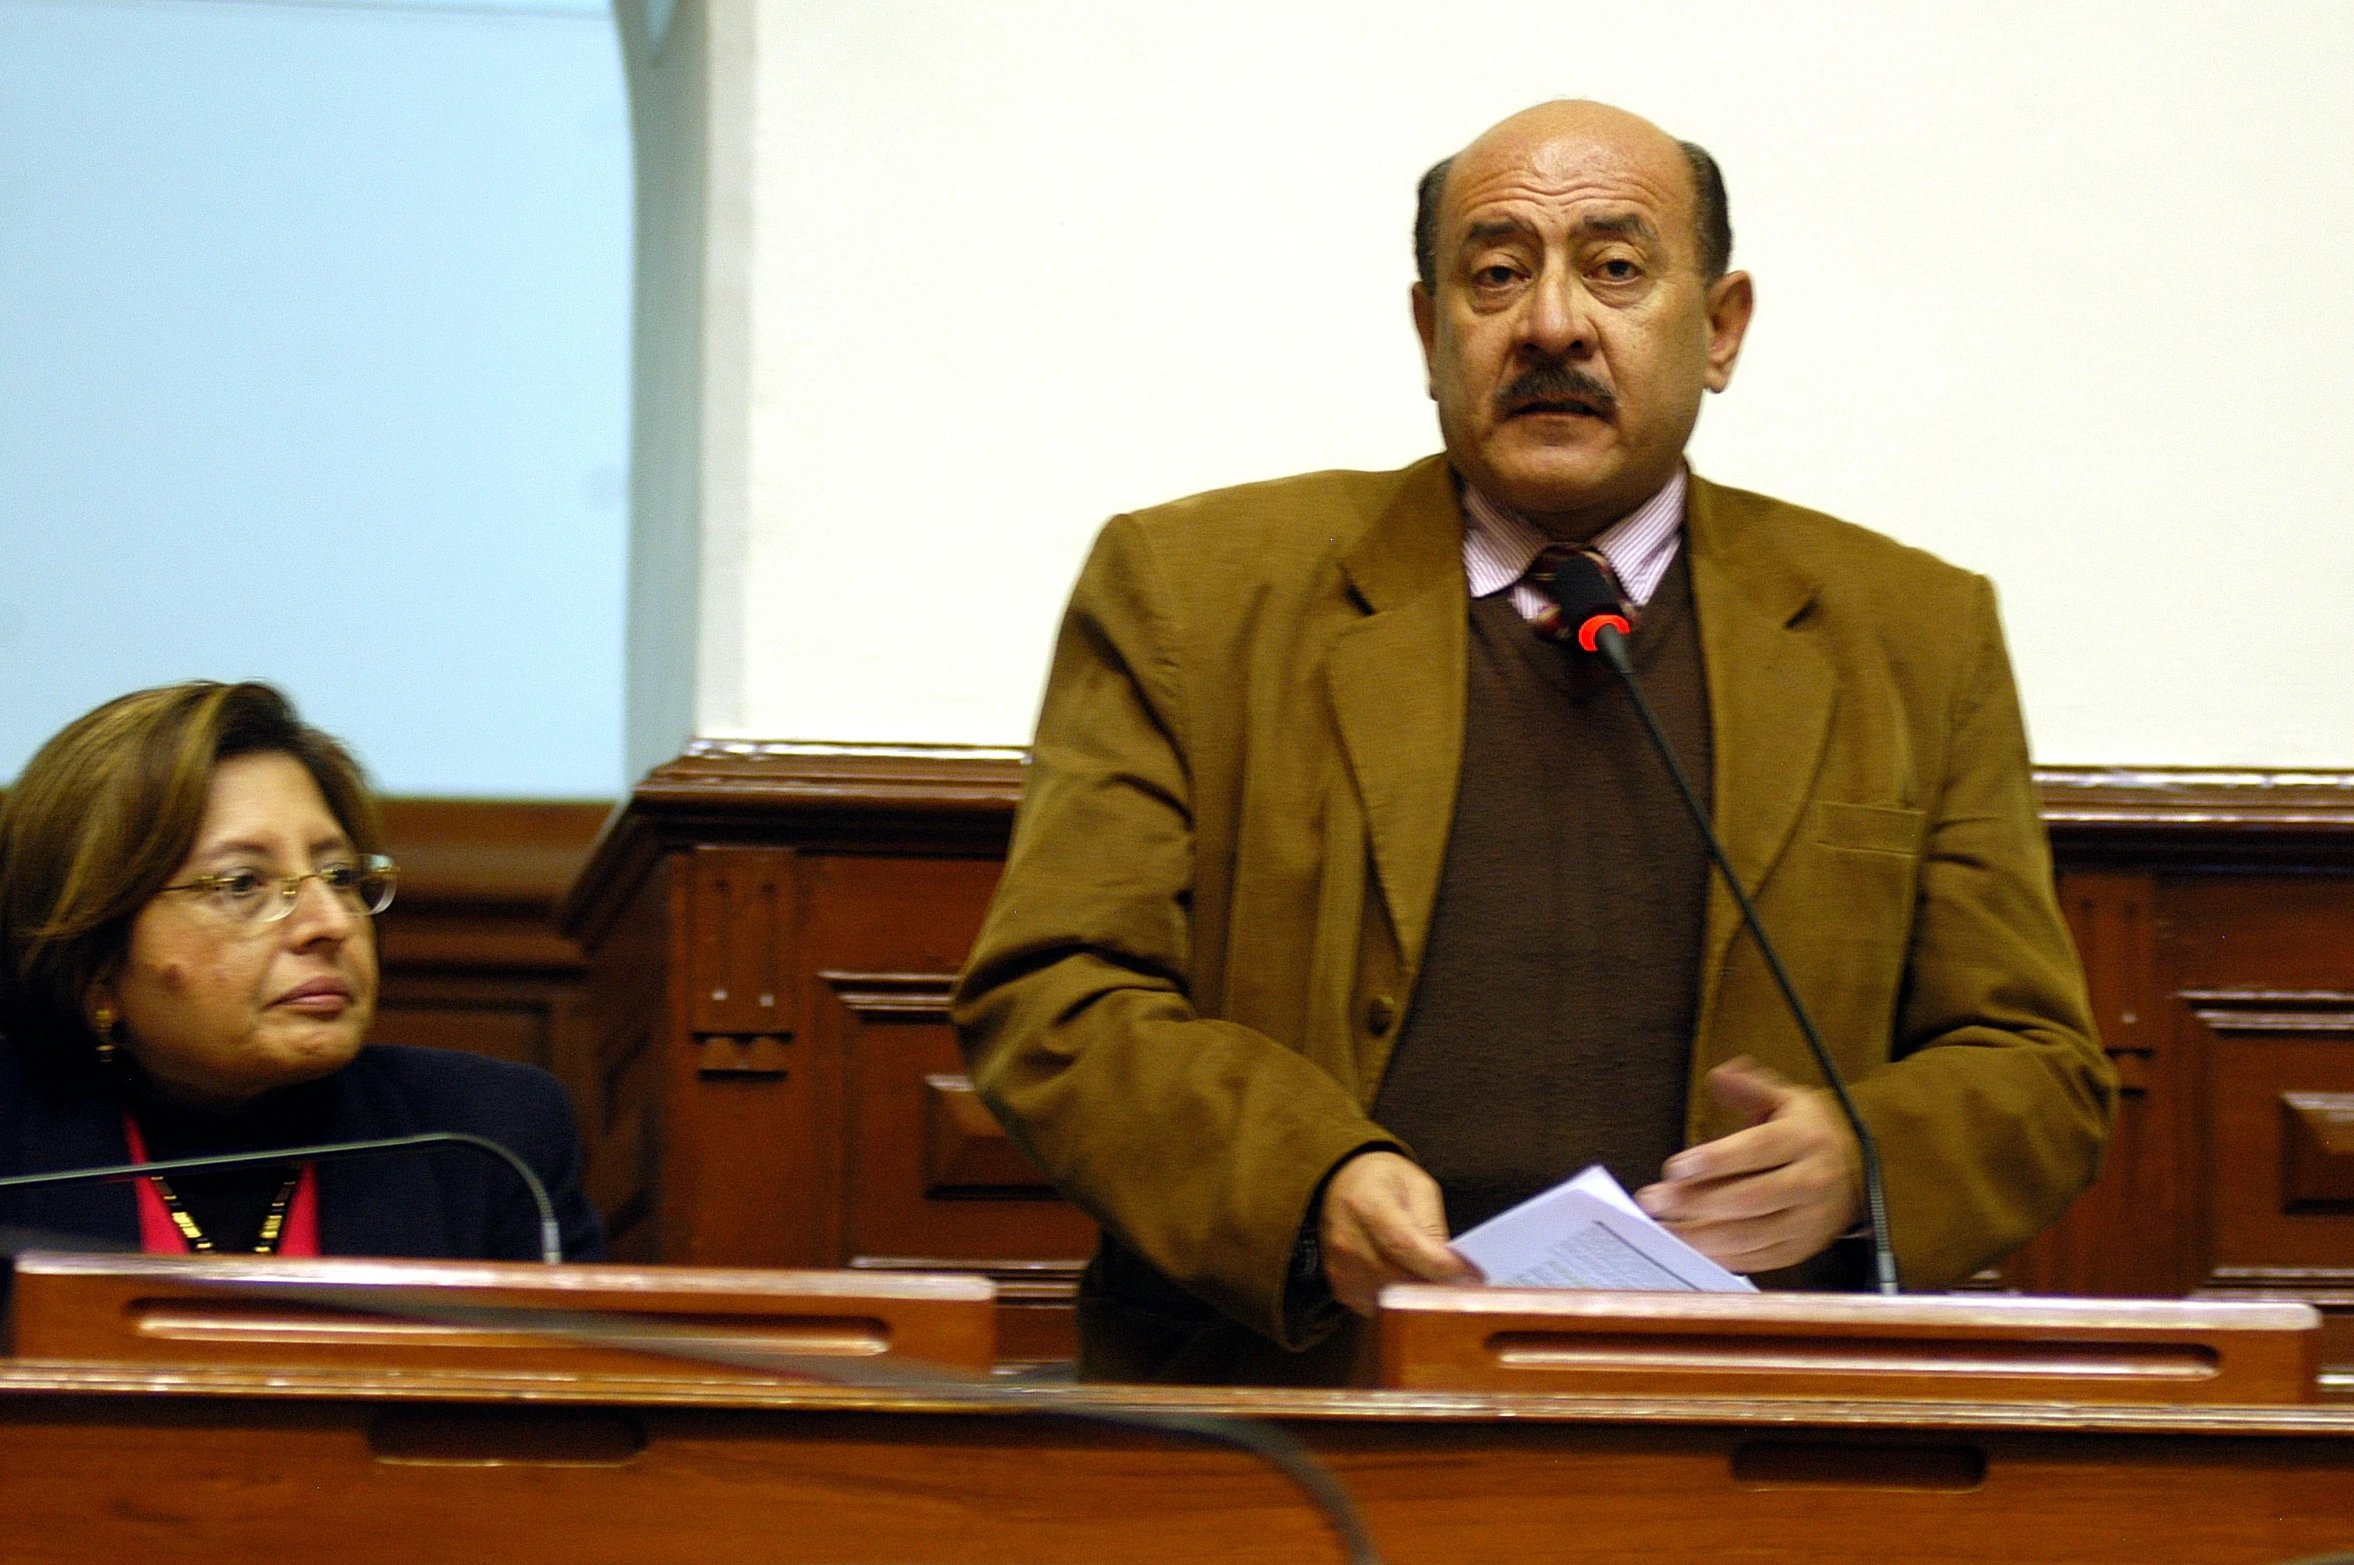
[273, 1221]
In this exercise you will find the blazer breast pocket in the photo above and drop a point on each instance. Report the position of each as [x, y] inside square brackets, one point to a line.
[1868, 828]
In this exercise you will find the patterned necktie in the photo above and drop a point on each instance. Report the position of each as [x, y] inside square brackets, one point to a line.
[1547, 621]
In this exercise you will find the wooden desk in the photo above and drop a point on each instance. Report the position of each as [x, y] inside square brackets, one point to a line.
[154, 1464]
[1847, 1346]
[349, 1313]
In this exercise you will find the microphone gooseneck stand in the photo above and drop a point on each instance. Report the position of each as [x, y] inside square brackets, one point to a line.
[551, 1239]
[1590, 607]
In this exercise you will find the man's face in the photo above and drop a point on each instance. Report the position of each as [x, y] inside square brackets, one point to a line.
[1572, 332]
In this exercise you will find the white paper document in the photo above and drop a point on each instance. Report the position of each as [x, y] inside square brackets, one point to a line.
[1587, 1232]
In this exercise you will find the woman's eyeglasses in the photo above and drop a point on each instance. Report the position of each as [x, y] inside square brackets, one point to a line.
[250, 897]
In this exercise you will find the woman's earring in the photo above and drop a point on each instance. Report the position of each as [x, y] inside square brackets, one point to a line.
[103, 1020]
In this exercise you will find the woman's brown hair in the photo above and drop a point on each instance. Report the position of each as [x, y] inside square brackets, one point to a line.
[106, 811]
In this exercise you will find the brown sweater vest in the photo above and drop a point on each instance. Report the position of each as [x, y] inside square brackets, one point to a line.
[1552, 1024]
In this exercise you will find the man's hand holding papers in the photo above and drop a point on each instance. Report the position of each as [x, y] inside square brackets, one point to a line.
[1759, 1198]
[1587, 1233]
[1384, 1221]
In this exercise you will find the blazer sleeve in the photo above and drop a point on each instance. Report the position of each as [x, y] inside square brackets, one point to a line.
[1198, 1142]
[1994, 1113]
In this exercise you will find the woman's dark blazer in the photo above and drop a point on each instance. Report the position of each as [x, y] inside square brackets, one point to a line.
[450, 1203]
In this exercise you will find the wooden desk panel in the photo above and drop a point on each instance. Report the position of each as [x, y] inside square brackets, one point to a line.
[782, 956]
[485, 1315]
[300, 1465]
[826, 1129]
[1814, 1346]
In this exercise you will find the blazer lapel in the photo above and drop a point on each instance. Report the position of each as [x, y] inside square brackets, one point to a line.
[1770, 693]
[1396, 682]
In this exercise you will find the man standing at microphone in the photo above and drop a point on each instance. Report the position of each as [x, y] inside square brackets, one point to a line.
[1343, 911]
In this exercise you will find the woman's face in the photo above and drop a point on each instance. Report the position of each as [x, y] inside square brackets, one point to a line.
[217, 1010]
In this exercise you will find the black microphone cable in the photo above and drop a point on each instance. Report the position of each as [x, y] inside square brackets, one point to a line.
[668, 1340]
[665, 1339]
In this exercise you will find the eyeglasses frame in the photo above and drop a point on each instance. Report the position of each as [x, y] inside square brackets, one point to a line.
[371, 866]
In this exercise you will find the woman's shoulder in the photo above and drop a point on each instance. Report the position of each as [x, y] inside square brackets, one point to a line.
[442, 1082]
[35, 1074]
[393, 1090]
[53, 1113]
[16, 1059]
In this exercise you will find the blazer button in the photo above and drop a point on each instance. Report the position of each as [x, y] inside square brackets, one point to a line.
[1380, 1011]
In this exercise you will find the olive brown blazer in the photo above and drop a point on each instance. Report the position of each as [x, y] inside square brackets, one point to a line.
[1230, 842]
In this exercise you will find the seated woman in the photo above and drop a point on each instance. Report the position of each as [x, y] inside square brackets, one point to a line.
[188, 967]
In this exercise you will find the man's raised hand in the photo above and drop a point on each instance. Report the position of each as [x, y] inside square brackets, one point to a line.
[1768, 1196]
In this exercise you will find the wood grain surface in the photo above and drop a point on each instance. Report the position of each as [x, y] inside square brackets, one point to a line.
[161, 1466]
[1818, 1346]
[574, 1319]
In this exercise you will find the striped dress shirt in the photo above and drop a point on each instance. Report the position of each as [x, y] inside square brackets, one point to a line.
[1498, 546]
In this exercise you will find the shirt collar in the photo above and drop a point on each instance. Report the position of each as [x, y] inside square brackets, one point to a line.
[1499, 544]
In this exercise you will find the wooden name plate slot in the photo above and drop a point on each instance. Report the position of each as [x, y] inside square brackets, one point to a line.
[396, 1314]
[1847, 1346]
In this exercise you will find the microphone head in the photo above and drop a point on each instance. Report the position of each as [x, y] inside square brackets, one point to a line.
[1588, 606]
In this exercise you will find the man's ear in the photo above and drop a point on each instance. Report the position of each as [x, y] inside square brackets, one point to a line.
[1426, 326]
[1731, 300]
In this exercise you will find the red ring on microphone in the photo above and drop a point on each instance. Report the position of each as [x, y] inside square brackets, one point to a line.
[1591, 630]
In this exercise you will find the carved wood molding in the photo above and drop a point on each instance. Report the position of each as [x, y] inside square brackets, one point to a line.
[2311, 1013]
[953, 801]
[2323, 1287]
[2314, 1176]
[1018, 1282]
[958, 801]
[966, 1154]
[2317, 1151]
[776, 777]
[893, 996]
[2185, 817]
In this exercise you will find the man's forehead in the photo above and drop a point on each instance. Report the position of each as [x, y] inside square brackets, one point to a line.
[1569, 154]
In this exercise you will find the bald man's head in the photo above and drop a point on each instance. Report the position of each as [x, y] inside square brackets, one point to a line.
[1712, 216]
[1574, 309]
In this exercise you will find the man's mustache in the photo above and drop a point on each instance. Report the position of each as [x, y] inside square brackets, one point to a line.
[1556, 383]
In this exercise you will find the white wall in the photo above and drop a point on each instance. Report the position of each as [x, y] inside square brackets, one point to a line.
[2051, 289]
[316, 370]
